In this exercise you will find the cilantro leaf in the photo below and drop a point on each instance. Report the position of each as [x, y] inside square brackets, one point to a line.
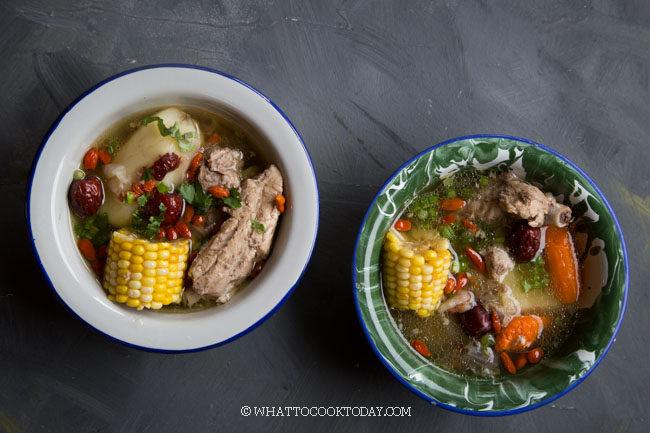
[183, 140]
[195, 196]
[161, 125]
[258, 226]
[233, 200]
[142, 200]
[147, 174]
[147, 227]
[187, 192]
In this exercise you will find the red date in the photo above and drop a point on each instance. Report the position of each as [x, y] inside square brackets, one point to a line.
[476, 321]
[165, 164]
[172, 201]
[524, 241]
[86, 196]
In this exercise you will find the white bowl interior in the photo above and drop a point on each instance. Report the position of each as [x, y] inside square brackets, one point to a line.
[51, 226]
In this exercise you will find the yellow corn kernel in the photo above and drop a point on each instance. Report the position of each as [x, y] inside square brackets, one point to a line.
[404, 262]
[430, 255]
[441, 245]
[133, 302]
[417, 260]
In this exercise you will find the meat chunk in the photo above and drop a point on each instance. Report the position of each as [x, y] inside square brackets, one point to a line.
[530, 203]
[229, 256]
[504, 303]
[484, 208]
[267, 214]
[498, 263]
[524, 200]
[221, 167]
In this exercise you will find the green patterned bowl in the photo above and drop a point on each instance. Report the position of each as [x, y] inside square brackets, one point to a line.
[607, 284]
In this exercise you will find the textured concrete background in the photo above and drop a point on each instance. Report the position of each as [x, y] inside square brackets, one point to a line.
[367, 84]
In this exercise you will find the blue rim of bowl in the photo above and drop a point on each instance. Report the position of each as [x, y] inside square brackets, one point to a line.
[510, 411]
[128, 72]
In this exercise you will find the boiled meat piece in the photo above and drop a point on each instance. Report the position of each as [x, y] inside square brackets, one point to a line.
[524, 200]
[228, 258]
[498, 263]
[221, 167]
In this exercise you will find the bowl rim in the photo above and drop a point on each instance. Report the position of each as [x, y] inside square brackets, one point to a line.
[89, 91]
[508, 411]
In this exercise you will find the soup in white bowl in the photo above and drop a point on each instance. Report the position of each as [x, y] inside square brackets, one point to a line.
[111, 127]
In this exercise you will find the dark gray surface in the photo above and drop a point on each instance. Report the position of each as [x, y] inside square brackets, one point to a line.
[367, 85]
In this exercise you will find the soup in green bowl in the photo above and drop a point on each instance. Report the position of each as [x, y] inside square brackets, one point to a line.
[490, 275]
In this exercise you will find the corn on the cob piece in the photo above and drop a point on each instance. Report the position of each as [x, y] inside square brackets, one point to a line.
[145, 274]
[414, 276]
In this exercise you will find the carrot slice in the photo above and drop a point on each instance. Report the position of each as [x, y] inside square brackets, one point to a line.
[520, 334]
[562, 264]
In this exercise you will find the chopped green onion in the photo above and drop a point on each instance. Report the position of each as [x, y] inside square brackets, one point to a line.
[451, 193]
[163, 188]
[78, 175]
[483, 180]
[130, 197]
[446, 232]
[486, 340]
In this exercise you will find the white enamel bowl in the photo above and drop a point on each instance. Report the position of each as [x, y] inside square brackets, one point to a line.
[51, 228]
